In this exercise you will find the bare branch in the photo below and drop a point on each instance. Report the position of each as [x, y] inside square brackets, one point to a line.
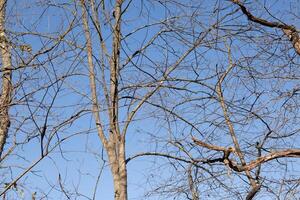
[290, 31]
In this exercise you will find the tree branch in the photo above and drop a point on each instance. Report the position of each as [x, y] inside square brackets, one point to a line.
[290, 31]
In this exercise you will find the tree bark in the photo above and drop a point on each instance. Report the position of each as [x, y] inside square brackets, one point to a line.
[117, 158]
[116, 154]
[5, 98]
[115, 144]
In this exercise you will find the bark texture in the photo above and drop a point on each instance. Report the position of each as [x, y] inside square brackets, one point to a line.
[115, 143]
[6, 89]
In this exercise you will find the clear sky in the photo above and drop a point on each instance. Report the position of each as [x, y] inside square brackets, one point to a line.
[80, 159]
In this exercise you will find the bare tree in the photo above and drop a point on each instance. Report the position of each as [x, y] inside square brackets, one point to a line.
[114, 139]
[34, 121]
[204, 93]
[186, 79]
[240, 102]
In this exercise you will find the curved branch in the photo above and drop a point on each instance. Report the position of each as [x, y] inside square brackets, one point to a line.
[158, 154]
[294, 153]
[290, 31]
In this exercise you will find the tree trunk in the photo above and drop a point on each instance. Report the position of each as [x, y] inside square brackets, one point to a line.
[117, 158]
[115, 145]
[5, 98]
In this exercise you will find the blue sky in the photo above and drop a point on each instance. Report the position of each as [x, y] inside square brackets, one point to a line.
[81, 161]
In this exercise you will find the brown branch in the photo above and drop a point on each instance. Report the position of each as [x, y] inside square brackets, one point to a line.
[294, 153]
[192, 184]
[290, 31]
[92, 79]
[208, 146]
[104, 53]
[225, 159]
[228, 120]
[253, 192]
